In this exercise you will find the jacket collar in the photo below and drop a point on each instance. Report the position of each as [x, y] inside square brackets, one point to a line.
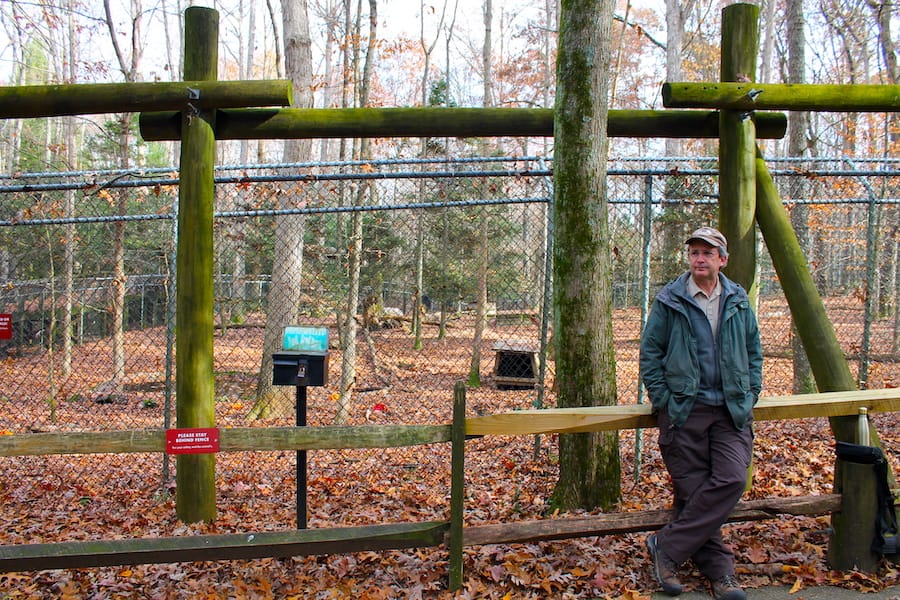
[676, 293]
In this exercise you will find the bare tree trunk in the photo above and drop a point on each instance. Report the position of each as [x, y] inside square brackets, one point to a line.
[675, 12]
[70, 128]
[798, 123]
[589, 469]
[129, 65]
[279, 55]
[614, 74]
[15, 33]
[349, 335]
[235, 237]
[484, 254]
[420, 270]
[848, 25]
[486, 51]
[895, 284]
[330, 14]
[427, 50]
[768, 49]
[481, 305]
[883, 13]
[283, 298]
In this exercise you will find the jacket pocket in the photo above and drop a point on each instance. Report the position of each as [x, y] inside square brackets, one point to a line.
[680, 386]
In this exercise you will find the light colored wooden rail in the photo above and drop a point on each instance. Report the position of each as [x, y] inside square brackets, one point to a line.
[609, 418]
[230, 439]
[520, 422]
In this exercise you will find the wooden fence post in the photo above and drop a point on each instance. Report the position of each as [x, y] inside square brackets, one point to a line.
[195, 491]
[457, 485]
[737, 148]
[853, 525]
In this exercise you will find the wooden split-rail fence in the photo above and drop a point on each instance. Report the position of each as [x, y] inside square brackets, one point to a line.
[452, 533]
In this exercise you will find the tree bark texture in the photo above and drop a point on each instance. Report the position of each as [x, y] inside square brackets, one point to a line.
[585, 360]
[675, 10]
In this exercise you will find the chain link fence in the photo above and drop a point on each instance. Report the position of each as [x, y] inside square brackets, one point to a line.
[425, 272]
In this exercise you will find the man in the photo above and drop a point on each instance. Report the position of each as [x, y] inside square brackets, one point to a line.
[701, 362]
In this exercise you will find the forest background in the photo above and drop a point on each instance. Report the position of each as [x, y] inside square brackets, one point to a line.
[434, 53]
[65, 375]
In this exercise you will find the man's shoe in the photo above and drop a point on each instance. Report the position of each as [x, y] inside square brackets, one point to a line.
[663, 568]
[727, 588]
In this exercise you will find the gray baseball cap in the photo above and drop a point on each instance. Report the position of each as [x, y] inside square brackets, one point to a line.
[711, 236]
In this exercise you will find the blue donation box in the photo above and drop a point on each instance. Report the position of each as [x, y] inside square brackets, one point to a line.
[304, 358]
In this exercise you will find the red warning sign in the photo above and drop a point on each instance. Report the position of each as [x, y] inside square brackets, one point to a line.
[192, 441]
[5, 326]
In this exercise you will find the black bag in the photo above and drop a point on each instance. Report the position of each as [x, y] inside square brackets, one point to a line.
[886, 533]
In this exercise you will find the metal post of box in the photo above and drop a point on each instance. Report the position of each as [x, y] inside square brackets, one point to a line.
[300, 369]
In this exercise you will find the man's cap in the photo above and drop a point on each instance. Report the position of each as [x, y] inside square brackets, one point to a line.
[712, 237]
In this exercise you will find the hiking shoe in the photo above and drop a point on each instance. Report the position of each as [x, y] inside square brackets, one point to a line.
[727, 588]
[663, 568]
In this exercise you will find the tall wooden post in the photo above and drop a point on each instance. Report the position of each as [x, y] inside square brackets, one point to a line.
[854, 524]
[737, 154]
[737, 148]
[195, 473]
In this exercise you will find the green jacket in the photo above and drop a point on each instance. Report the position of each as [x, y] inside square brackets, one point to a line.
[669, 366]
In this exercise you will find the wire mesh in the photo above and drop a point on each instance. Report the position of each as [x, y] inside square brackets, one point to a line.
[424, 272]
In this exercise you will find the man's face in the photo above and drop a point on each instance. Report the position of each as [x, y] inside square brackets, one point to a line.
[705, 261]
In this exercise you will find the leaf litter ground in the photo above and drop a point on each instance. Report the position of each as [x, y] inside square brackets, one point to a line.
[65, 498]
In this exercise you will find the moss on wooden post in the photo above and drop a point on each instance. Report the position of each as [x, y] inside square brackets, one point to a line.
[737, 148]
[826, 358]
[851, 97]
[294, 123]
[854, 524]
[196, 473]
[30, 101]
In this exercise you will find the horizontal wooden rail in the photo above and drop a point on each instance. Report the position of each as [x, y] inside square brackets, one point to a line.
[301, 542]
[232, 439]
[609, 418]
[404, 535]
[783, 96]
[520, 422]
[632, 522]
[31, 101]
[289, 123]
[305, 542]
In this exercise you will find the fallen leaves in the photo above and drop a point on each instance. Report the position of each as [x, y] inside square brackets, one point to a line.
[359, 488]
[508, 479]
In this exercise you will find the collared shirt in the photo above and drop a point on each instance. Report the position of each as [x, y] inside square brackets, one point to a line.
[708, 303]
